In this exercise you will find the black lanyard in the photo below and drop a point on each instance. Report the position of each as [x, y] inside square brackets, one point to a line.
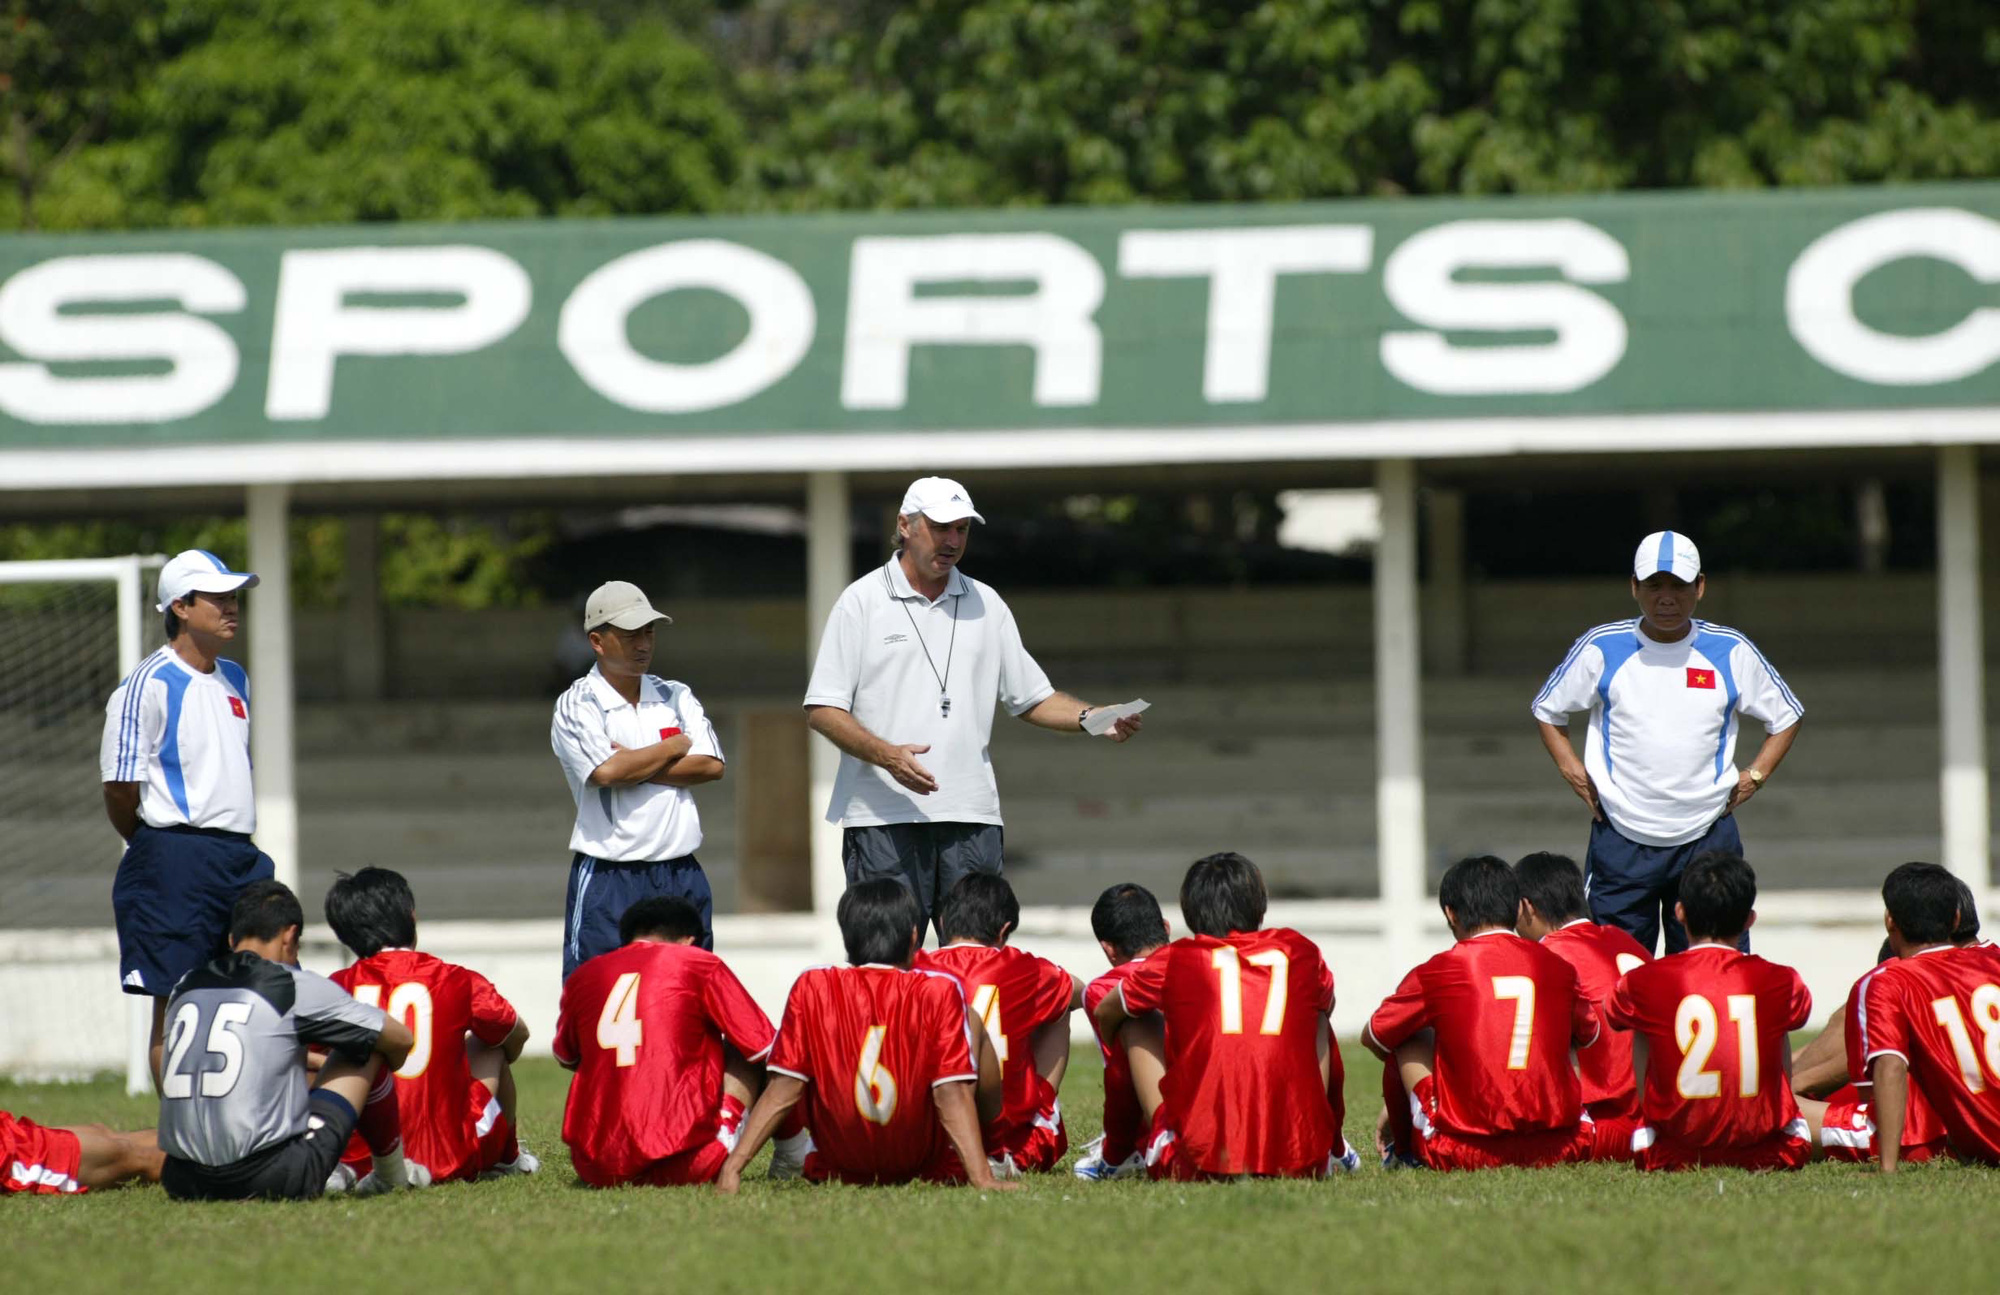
[944, 697]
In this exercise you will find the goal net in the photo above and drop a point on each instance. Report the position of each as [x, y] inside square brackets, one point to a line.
[69, 632]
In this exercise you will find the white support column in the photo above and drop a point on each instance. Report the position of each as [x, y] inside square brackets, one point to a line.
[828, 571]
[1962, 669]
[271, 688]
[1399, 774]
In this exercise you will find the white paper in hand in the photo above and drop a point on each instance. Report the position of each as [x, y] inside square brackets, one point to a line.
[1100, 720]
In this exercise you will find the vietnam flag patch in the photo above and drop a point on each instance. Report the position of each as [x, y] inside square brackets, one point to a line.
[236, 708]
[666, 733]
[1700, 678]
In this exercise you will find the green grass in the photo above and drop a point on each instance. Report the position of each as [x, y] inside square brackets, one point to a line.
[1830, 1228]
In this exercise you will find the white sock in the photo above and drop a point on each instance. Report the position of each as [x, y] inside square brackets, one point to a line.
[794, 1147]
[389, 1167]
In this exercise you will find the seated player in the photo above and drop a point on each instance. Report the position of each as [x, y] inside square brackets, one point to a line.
[1930, 1020]
[1129, 928]
[881, 1055]
[456, 1091]
[1476, 1042]
[1711, 1031]
[43, 1160]
[667, 1047]
[1555, 911]
[1024, 1003]
[238, 1118]
[1253, 1074]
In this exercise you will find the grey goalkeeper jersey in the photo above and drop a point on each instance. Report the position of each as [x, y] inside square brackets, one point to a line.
[233, 1078]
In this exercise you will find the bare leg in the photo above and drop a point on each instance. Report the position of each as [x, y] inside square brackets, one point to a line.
[1815, 1113]
[1323, 1040]
[157, 1048]
[1821, 1066]
[1145, 1044]
[1416, 1059]
[349, 1081]
[489, 1066]
[110, 1157]
[1051, 1044]
[740, 1079]
[989, 1097]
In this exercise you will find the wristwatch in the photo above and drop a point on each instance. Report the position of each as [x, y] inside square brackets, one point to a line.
[1081, 716]
[1756, 775]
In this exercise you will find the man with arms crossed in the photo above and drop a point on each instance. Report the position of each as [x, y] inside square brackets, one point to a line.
[40, 1160]
[1024, 1003]
[1711, 1030]
[1253, 1082]
[882, 1056]
[913, 660]
[668, 1050]
[630, 744]
[1129, 928]
[455, 1092]
[176, 767]
[238, 1120]
[1664, 692]
[1475, 1043]
[1555, 911]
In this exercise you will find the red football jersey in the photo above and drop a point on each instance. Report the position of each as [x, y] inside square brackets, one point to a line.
[1014, 993]
[1921, 1125]
[1601, 954]
[1242, 1092]
[1715, 1023]
[644, 1026]
[440, 1002]
[1506, 1012]
[871, 1043]
[1940, 1011]
[1124, 1119]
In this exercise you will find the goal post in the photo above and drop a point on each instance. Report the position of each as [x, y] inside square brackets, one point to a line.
[70, 630]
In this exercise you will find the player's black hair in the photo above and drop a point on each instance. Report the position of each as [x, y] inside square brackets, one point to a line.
[171, 623]
[1482, 891]
[877, 919]
[372, 910]
[1967, 930]
[1223, 893]
[665, 917]
[1886, 952]
[1717, 890]
[980, 907]
[1554, 885]
[263, 910]
[1127, 917]
[1923, 898]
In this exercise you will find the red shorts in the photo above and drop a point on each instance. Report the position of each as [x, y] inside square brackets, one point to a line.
[1037, 1147]
[1439, 1148]
[1165, 1161]
[38, 1160]
[1849, 1134]
[488, 1128]
[702, 1162]
[1785, 1149]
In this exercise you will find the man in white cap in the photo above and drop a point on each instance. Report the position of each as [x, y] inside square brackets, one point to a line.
[176, 767]
[1664, 692]
[914, 658]
[630, 744]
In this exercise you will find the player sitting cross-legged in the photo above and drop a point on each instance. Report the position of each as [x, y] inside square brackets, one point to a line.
[1711, 1031]
[881, 1055]
[1930, 1019]
[41, 1160]
[1129, 927]
[1476, 1041]
[1024, 1003]
[667, 1047]
[1555, 911]
[456, 1089]
[1253, 1074]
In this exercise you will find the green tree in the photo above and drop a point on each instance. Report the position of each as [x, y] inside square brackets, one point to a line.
[63, 70]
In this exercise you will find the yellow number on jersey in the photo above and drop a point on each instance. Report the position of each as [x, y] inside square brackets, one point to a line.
[411, 1003]
[1278, 963]
[1986, 1015]
[618, 1025]
[1520, 989]
[874, 1086]
[986, 1006]
[1696, 1031]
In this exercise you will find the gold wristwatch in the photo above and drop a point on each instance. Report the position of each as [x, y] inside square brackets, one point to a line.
[1756, 775]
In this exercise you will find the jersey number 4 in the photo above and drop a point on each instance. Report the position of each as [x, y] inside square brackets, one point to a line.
[986, 1006]
[412, 1003]
[619, 1028]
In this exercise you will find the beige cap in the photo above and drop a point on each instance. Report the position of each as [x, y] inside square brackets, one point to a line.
[618, 603]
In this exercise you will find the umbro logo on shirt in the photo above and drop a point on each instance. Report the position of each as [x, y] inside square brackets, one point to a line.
[1700, 678]
[894, 639]
[236, 708]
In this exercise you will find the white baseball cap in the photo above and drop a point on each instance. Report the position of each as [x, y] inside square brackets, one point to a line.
[941, 499]
[620, 604]
[197, 571]
[1668, 551]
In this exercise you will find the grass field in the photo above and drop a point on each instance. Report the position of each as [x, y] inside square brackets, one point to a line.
[1830, 1228]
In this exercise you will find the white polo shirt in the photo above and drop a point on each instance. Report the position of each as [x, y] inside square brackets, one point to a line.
[184, 737]
[1663, 717]
[872, 663]
[642, 823]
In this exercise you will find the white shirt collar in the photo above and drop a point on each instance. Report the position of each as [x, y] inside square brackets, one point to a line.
[1581, 921]
[900, 586]
[1498, 930]
[610, 697]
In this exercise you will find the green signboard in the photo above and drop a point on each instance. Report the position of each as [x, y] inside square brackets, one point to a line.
[1366, 319]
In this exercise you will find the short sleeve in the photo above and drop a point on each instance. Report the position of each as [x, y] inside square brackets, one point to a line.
[493, 1016]
[1321, 984]
[731, 1010]
[1402, 1013]
[579, 737]
[1573, 686]
[328, 1015]
[1621, 1008]
[946, 1016]
[836, 674]
[1584, 1024]
[135, 723]
[1054, 988]
[791, 1052]
[1145, 989]
[1799, 1008]
[1883, 1027]
[702, 739]
[1850, 1029]
[1024, 685]
[1761, 693]
[565, 1046]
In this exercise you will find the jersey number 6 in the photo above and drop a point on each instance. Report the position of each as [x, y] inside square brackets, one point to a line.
[874, 1086]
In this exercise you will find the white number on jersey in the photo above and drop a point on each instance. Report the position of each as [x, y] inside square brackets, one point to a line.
[618, 1025]
[411, 1003]
[223, 1041]
[1696, 1031]
[1230, 969]
[874, 1086]
[1986, 1015]
[1520, 989]
[986, 1006]
[1628, 963]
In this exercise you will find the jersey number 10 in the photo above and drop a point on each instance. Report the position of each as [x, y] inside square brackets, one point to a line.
[412, 1003]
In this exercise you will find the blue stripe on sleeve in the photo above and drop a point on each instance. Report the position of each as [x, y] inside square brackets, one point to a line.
[170, 750]
[1576, 648]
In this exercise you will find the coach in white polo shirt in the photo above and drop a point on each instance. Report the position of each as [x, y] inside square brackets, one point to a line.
[1664, 692]
[630, 745]
[913, 661]
[175, 762]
